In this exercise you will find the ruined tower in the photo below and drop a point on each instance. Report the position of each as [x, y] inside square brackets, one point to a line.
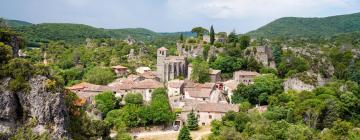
[160, 63]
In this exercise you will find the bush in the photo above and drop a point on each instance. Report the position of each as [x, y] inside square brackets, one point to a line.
[100, 76]
[134, 98]
[105, 102]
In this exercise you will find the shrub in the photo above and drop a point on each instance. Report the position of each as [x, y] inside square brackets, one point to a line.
[99, 75]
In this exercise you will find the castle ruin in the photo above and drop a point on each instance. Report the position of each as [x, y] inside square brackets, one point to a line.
[170, 67]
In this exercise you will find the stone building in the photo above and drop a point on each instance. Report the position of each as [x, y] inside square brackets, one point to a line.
[245, 77]
[170, 67]
[207, 112]
[119, 70]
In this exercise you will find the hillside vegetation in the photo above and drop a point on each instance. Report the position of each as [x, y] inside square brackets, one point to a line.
[309, 27]
[77, 33]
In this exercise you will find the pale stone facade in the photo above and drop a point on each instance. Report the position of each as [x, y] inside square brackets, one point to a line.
[207, 112]
[170, 67]
[245, 77]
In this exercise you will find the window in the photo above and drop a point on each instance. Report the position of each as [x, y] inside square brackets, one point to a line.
[198, 116]
[210, 117]
[175, 91]
[203, 123]
[203, 99]
[150, 90]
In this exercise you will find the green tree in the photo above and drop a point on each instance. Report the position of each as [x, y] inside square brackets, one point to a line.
[244, 42]
[212, 35]
[192, 121]
[181, 37]
[232, 38]
[134, 98]
[99, 75]
[200, 31]
[226, 64]
[160, 107]
[5, 53]
[105, 102]
[200, 71]
[184, 134]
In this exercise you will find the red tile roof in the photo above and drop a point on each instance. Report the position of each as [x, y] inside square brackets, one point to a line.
[147, 84]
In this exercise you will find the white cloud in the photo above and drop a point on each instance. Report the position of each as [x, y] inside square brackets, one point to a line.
[222, 9]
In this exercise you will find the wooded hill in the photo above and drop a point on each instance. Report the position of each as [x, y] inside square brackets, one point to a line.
[292, 27]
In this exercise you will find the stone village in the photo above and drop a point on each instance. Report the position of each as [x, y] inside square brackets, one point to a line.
[209, 100]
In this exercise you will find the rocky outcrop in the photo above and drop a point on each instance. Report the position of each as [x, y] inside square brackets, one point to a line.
[46, 107]
[297, 85]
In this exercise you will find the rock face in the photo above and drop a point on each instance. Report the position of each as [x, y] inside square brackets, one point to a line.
[47, 107]
[297, 85]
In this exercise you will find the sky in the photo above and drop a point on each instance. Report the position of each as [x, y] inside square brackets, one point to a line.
[172, 15]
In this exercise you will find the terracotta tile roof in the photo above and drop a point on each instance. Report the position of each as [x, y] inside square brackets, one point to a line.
[80, 86]
[147, 84]
[207, 85]
[176, 83]
[163, 49]
[200, 93]
[98, 88]
[119, 67]
[250, 73]
[189, 84]
[149, 75]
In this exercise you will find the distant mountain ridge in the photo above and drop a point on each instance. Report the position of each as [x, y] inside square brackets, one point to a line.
[309, 27]
[77, 33]
[17, 23]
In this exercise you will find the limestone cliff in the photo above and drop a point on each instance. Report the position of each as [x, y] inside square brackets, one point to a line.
[44, 106]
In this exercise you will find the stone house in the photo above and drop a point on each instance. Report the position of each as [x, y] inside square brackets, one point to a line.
[170, 67]
[175, 90]
[214, 75]
[245, 77]
[146, 87]
[207, 112]
[86, 91]
[119, 70]
[199, 92]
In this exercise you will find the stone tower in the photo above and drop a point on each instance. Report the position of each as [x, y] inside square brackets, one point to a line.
[161, 56]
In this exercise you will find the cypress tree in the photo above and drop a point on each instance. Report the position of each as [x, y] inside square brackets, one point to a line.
[192, 121]
[212, 35]
[181, 37]
[184, 134]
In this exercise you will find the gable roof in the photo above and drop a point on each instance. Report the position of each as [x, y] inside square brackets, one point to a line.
[163, 49]
[119, 67]
[80, 86]
[247, 73]
[175, 83]
[147, 84]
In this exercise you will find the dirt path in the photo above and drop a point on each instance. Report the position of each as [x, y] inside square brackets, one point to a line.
[172, 135]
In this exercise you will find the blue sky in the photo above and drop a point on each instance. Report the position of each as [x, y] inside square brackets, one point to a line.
[172, 15]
